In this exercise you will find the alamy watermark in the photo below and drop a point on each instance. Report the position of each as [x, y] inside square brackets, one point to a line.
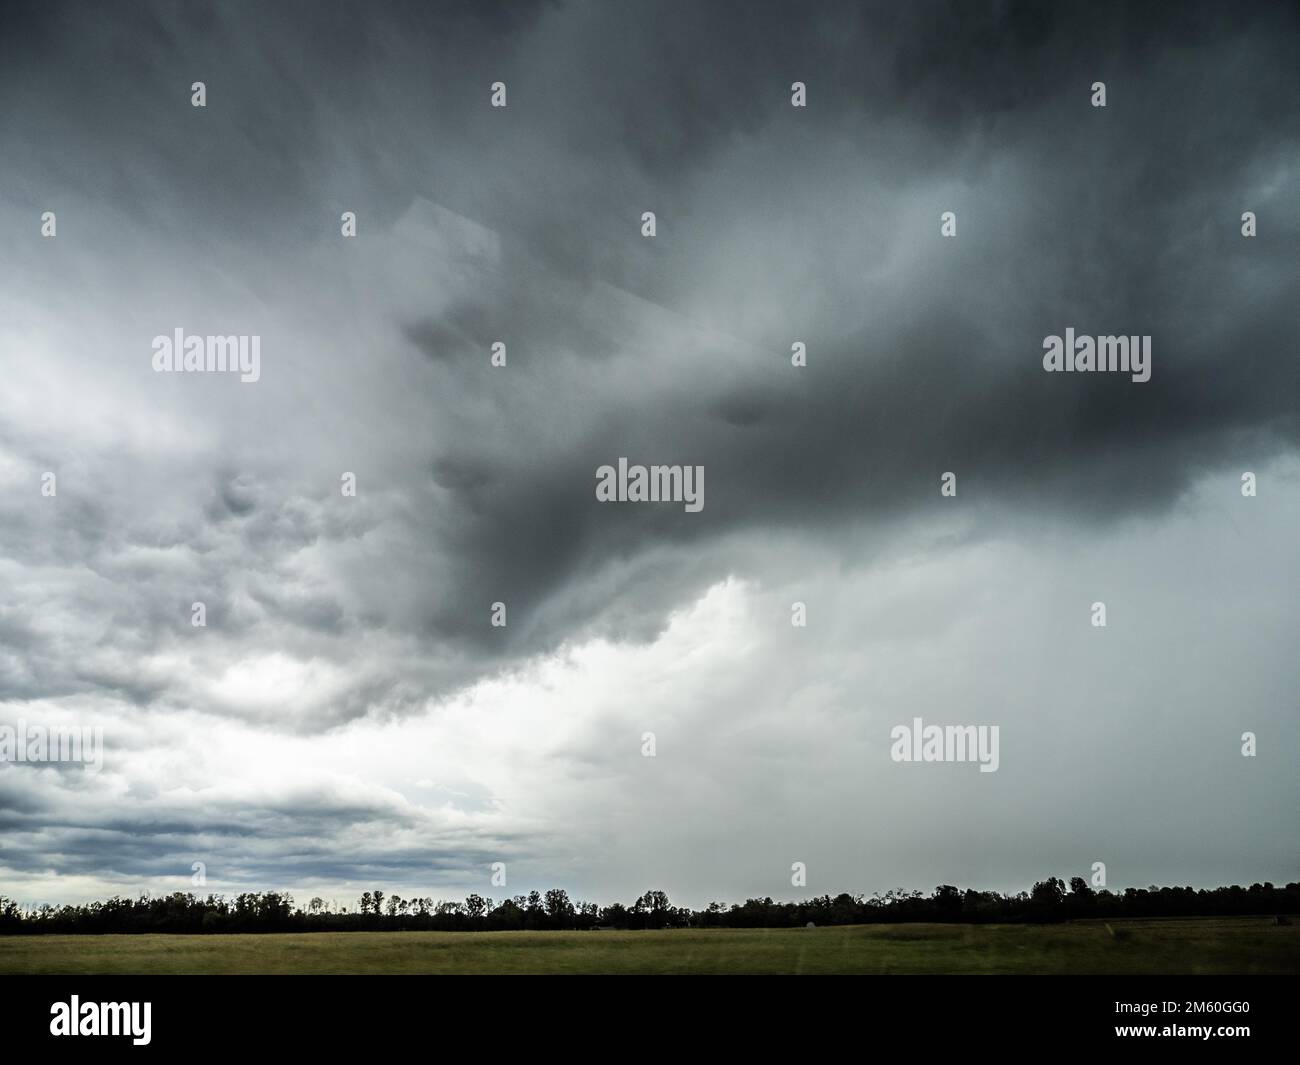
[59, 743]
[651, 484]
[946, 743]
[75, 1017]
[1111, 354]
[179, 353]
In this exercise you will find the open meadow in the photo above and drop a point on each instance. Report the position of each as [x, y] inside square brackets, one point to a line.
[1192, 946]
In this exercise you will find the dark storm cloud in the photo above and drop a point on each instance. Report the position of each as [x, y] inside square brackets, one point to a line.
[476, 484]
[1119, 220]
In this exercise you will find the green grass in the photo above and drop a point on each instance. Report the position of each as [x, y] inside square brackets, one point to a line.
[1210, 945]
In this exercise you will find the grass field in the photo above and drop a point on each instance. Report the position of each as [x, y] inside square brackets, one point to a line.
[1233, 945]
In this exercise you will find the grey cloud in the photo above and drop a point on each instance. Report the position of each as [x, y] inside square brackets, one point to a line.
[522, 225]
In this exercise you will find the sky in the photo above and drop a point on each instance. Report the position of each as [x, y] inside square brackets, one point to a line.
[349, 717]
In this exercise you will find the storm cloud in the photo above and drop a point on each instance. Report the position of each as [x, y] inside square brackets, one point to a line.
[349, 714]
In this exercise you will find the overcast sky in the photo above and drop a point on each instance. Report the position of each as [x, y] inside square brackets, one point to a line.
[350, 719]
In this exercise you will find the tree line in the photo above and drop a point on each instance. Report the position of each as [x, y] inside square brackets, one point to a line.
[1049, 900]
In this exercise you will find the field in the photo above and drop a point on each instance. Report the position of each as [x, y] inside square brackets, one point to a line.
[1200, 946]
